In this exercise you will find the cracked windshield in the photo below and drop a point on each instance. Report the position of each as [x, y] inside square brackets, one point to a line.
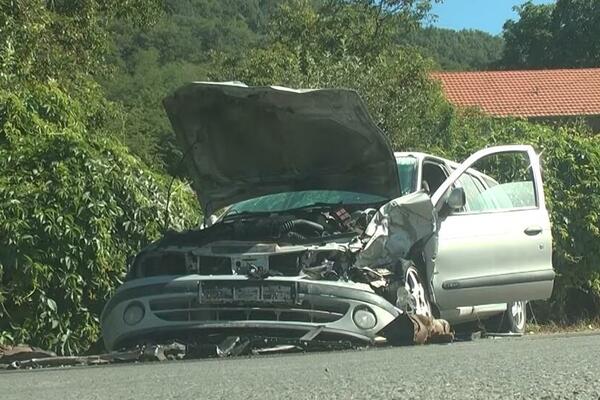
[300, 199]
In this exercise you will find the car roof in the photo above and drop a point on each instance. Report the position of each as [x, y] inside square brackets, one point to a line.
[420, 156]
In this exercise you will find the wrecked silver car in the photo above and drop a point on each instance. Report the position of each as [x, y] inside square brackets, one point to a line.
[315, 231]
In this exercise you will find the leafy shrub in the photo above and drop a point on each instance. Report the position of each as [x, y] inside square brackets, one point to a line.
[73, 206]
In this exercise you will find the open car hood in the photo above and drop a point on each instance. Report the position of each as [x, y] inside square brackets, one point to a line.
[242, 142]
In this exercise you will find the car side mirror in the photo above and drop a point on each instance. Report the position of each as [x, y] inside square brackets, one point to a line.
[456, 199]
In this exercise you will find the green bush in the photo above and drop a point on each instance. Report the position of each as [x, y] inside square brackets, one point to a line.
[73, 206]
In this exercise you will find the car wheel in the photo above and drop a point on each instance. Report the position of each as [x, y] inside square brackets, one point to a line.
[418, 302]
[516, 316]
[513, 320]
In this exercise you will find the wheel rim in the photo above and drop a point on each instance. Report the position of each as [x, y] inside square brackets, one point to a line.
[416, 290]
[517, 312]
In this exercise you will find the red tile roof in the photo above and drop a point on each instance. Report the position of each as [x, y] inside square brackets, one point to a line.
[526, 93]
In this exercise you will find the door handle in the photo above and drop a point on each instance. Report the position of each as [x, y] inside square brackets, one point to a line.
[533, 230]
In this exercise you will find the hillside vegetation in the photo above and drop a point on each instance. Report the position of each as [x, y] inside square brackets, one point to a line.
[464, 50]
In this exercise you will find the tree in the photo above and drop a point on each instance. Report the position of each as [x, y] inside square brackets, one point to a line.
[575, 28]
[565, 34]
[60, 39]
[455, 50]
[528, 40]
[73, 208]
[357, 27]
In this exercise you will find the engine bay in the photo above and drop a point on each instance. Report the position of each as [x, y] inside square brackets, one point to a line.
[311, 241]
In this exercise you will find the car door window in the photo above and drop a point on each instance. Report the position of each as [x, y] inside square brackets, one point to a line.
[511, 195]
[473, 190]
[499, 182]
[434, 174]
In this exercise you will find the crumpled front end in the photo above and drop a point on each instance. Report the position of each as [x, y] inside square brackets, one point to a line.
[326, 274]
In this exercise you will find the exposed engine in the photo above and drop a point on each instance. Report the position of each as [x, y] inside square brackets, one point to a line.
[299, 227]
[313, 243]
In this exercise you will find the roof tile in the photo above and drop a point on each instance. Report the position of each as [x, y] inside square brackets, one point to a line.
[532, 93]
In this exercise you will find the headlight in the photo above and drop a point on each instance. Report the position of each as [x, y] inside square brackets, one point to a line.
[133, 313]
[364, 318]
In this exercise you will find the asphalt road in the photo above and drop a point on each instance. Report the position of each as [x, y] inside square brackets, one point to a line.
[542, 367]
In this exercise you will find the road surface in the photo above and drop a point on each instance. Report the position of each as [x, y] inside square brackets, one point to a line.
[542, 367]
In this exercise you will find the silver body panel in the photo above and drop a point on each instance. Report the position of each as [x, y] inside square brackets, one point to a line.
[492, 245]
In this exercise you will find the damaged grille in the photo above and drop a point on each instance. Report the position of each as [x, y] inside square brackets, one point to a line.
[181, 309]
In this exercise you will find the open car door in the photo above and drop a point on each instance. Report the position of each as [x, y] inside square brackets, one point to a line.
[497, 246]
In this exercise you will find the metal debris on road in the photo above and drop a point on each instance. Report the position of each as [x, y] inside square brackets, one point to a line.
[405, 330]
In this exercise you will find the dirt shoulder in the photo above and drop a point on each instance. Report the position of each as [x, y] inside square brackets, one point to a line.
[591, 325]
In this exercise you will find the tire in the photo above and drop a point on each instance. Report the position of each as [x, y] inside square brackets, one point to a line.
[416, 300]
[516, 317]
[513, 320]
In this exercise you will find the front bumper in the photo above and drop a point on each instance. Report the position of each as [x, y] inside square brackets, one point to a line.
[174, 309]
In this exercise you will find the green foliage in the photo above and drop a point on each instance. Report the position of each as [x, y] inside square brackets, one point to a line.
[151, 61]
[527, 41]
[145, 128]
[565, 34]
[60, 39]
[72, 209]
[395, 83]
[190, 29]
[358, 28]
[456, 50]
[74, 204]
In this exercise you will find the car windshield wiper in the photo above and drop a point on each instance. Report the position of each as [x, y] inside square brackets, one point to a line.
[315, 205]
[241, 214]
